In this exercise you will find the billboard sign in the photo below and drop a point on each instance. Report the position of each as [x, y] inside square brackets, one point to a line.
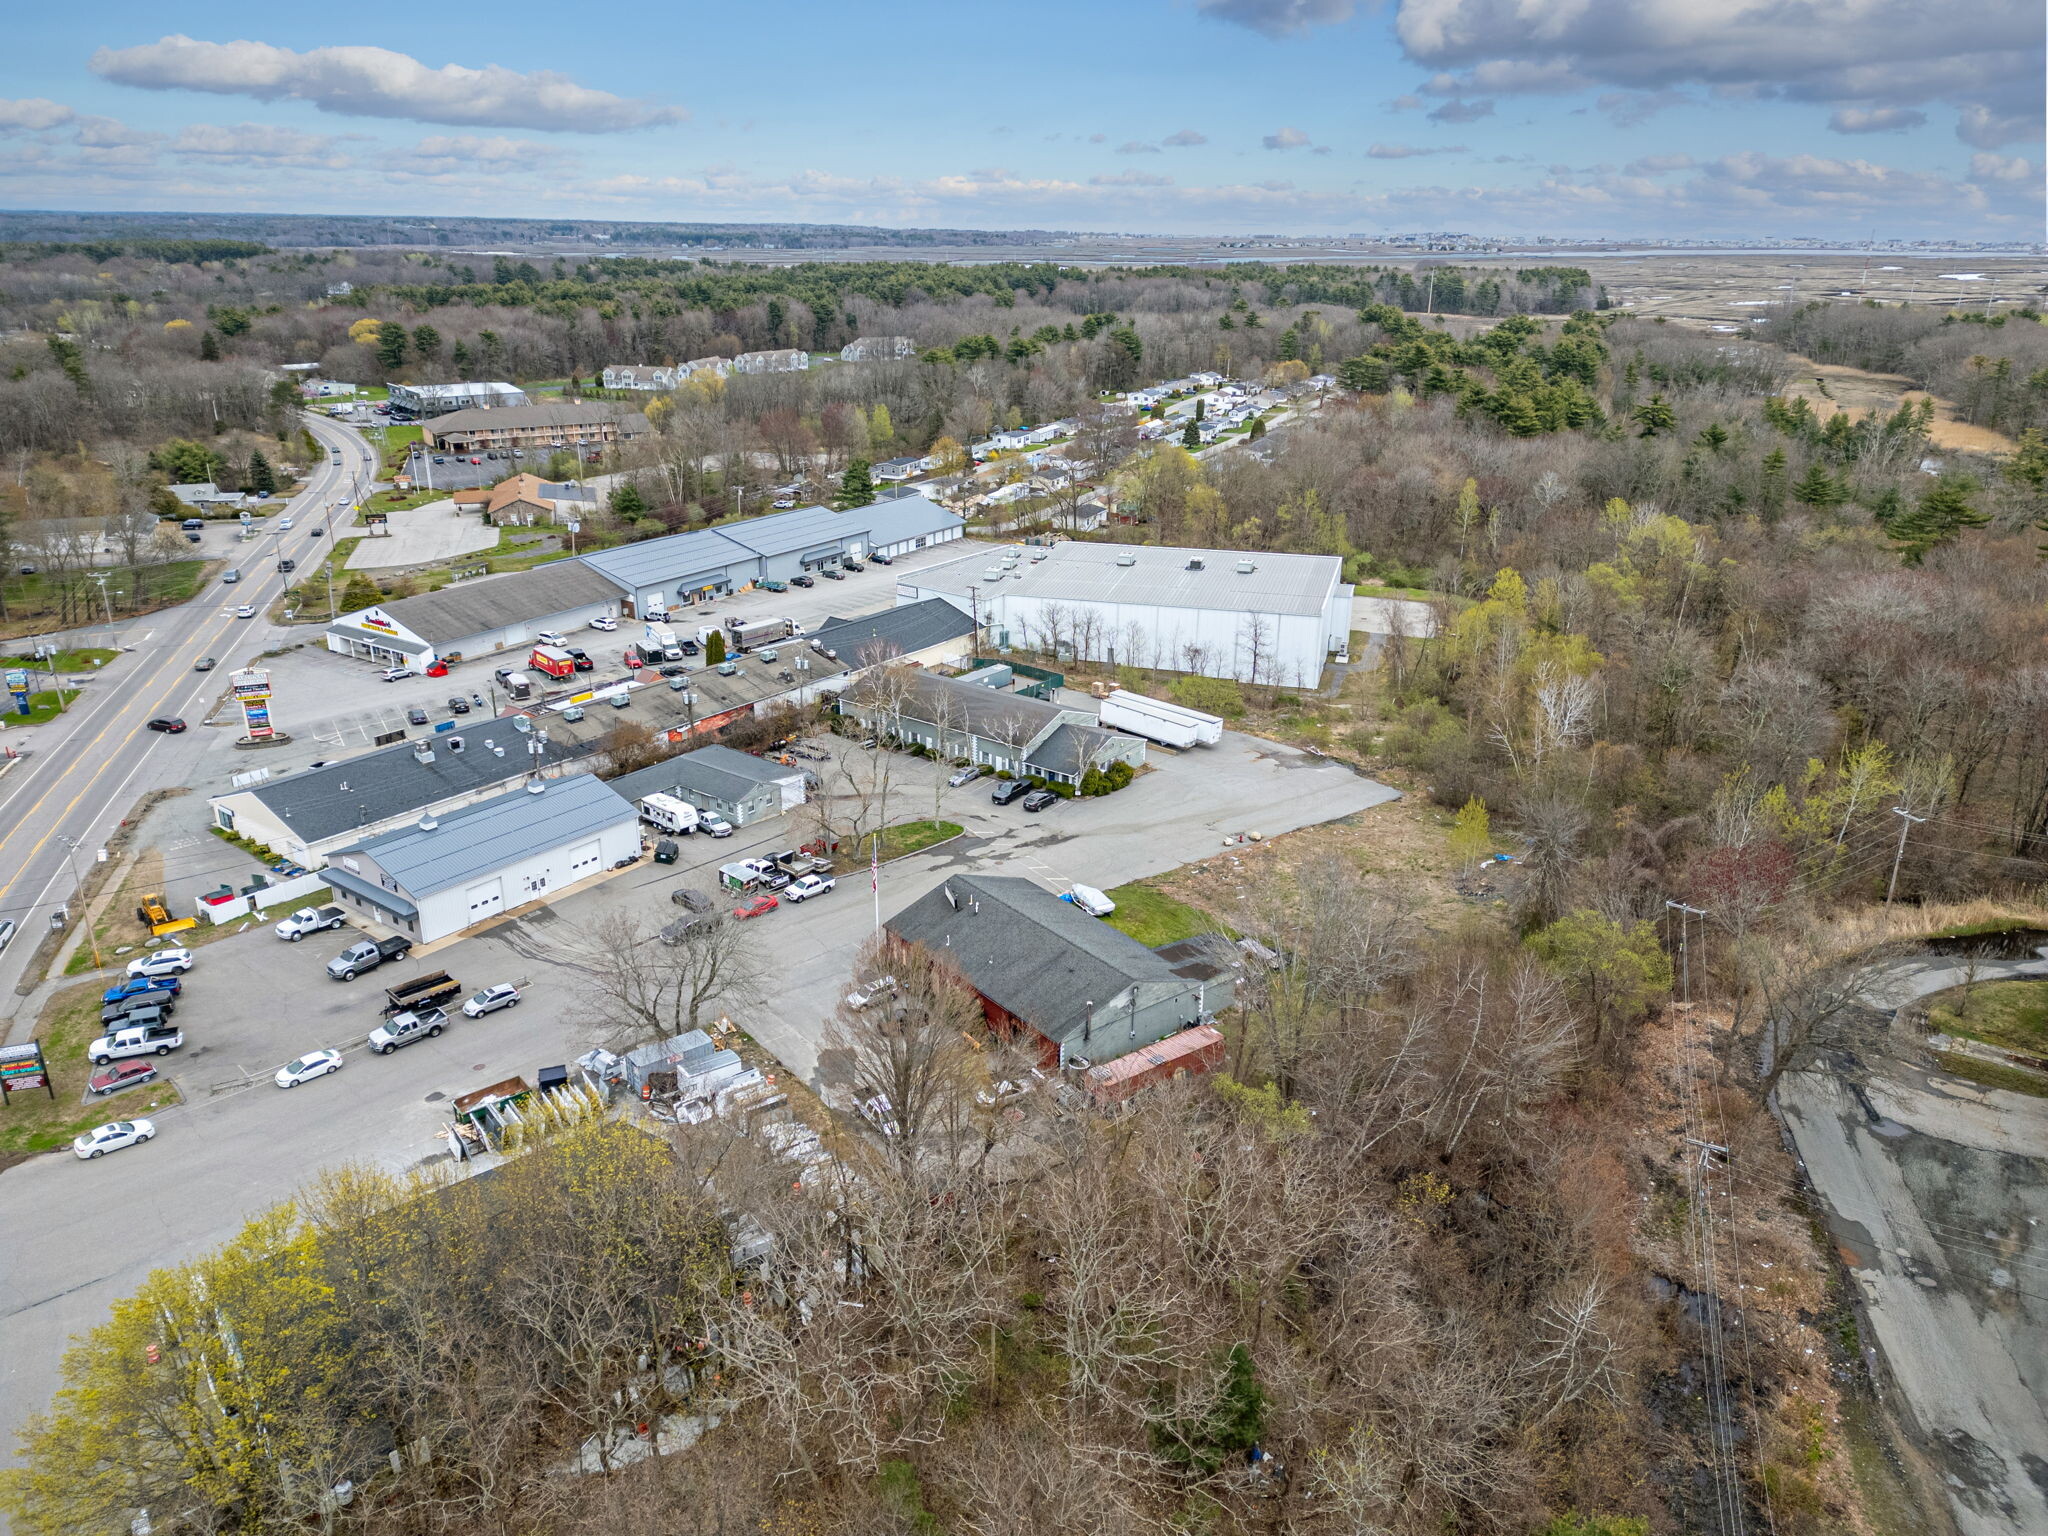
[22, 1066]
[251, 690]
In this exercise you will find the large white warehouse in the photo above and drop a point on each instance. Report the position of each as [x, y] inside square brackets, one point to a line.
[1259, 618]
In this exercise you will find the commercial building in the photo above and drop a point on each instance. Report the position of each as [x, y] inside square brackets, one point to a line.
[306, 816]
[742, 788]
[927, 634]
[990, 725]
[1048, 972]
[448, 873]
[526, 499]
[559, 425]
[1256, 617]
[662, 574]
[444, 399]
[468, 619]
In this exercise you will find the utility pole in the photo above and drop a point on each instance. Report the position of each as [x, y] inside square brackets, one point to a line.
[78, 895]
[1685, 948]
[1906, 820]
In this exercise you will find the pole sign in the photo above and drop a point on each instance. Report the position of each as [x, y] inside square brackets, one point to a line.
[252, 691]
[22, 1067]
[17, 686]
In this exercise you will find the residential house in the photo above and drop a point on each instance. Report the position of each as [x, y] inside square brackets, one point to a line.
[1053, 976]
[890, 470]
[304, 816]
[450, 872]
[650, 378]
[1004, 731]
[527, 499]
[877, 349]
[780, 360]
[718, 366]
[742, 788]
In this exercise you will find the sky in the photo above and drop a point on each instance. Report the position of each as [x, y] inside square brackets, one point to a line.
[1726, 119]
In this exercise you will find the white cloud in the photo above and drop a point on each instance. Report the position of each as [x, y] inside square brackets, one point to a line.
[1136, 147]
[1411, 151]
[33, 114]
[1513, 76]
[1876, 119]
[1461, 112]
[2014, 168]
[465, 154]
[1659, 165]
[376, 82]
[1130, 179]
[258, 144]
[1286, 138]
[1986, 129]
[1187, 138]
[111, 133]
[1631, 109]
[1278, 18]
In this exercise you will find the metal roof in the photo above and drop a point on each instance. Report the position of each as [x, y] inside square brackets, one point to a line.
[1156, 576]
[907, 517]
[559, 413]
[467, 844]
[1033, 955]
[466, 608]
[720, 772]
[893, 632]
[804, 528]
[658, 561]
[369, 790]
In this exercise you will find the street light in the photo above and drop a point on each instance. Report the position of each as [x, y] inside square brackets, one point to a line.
[78, 895]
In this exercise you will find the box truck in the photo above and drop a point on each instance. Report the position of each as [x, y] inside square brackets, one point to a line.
[1168, 724]
[662, 638]
[669, 814]
[553, 662]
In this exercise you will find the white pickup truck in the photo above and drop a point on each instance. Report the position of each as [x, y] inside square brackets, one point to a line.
[310, 920]
[158, 1041]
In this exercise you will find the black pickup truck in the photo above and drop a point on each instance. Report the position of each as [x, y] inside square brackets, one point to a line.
[421, 992]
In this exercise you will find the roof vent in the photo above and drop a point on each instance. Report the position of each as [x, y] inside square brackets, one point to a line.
[1195, 564]
[1126, 559]
[497, 751]
[428, 824]
[1246, 567]
[537, 787]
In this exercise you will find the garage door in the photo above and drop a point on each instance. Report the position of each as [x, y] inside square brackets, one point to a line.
[583, 860]
[486, 899]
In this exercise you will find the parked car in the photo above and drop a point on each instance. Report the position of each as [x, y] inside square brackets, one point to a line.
[880, 560]
[1039, 799]
[310, 920]
[551, 637]
[831, 575]
[716, 825]
[581, 659]
[802, 581]
[851, 565]
[140, 1040]
[170, 725]
[689, 647]
[966, 775]
[491, 999]
[365, 955]
[142, 986]
[868, 991]
[694, 901]
[417, 715]
[165, 962]
[604, 622]
[667, 850]
[204, 664]
[121, 1074]
[112, 1138]
[306, 1068]
[1010, 789]
[407, 1029]
[760, 906]
[457, 705]
[809, 886]
[633, 661]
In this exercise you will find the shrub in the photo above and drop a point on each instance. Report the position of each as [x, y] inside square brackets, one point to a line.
[1211, 695]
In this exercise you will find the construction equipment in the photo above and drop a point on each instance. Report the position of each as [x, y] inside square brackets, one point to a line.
[156, 917]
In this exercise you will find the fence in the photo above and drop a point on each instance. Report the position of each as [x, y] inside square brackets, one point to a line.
[276, 894]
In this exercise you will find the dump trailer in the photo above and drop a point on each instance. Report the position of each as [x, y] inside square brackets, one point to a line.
[1168, 724]
[421, 992]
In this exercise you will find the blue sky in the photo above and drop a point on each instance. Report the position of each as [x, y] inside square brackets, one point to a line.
[1729, 118]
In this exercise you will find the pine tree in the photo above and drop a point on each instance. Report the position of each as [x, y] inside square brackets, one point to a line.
[1944, 511]
[209, 346]
[1191, 434]
[391, 344]
[1290, 344]
[856, 486]
[426, 342]
[261, 478]
[1654, 416]
[1258, 429]
[1819, 489]
[714, 648]
[627, 501]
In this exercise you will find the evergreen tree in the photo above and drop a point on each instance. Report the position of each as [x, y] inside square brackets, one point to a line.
[261, 478]
[209, 346]
[1819, 489]
[1944, 511]
[1191, 434]
[1226, 323]
[2029, 466]
[1713, 437]
[460, 359]
[775, 319]
[1290, 344]
[714, 648]
[856, 486]
[1368, 375]
[626, 501]
[1258, 429]
[391, 345]
[426, 342]
[1654, 416]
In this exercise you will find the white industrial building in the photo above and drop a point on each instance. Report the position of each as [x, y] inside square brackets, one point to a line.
[472, 619]
[442, 875]
[1256, 617]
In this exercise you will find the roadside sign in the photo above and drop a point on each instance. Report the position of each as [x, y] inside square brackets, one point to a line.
[22, 1067]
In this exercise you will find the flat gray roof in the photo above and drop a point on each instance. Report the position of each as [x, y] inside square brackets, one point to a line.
[1157, 576]
[893, 632]
[466, 608]
[662, 560]
[472, 842]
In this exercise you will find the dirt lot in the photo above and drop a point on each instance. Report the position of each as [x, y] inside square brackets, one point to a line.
[1857, 393]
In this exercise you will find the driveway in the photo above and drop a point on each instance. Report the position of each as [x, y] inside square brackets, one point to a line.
[1935, 1192]
[425, 535]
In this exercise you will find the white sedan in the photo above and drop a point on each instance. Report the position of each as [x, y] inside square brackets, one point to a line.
[246, 611]
[306, 1068]
[112, 1138]
[165, 962]
[491, 999]
[604, 623]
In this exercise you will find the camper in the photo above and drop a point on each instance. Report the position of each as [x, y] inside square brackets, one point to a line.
[669, 814]
[1168, 724]
[552, 661]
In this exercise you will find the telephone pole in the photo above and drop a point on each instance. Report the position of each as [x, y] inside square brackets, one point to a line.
[1684, 948]
[1906, 820]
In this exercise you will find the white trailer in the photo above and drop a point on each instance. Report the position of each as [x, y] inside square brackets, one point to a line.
[1168, 724]
[669, 814]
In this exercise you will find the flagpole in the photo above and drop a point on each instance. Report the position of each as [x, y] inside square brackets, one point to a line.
[875, 878]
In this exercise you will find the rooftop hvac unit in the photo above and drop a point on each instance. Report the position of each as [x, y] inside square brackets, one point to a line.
[1126, 559]
[423, 753]
[428, 824]
[1195, 564]
[1245, 567]
[538, 786]
[455, 744]
[497, 751]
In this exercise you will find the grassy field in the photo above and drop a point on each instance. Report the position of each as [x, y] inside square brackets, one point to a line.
[41, 706]
[1154, 918]
[905, 837]
[33, 603]
[87, 660]
[32, 1122]
[2012, 1015]
[1989, 1074]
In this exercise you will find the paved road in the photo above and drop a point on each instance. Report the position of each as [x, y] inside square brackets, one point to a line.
[253, 1002]
[1936, 1194]
[89, 766]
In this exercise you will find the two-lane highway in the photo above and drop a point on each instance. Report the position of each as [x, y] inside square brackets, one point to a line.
[90, 765]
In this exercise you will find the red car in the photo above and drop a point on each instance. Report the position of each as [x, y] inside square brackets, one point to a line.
[758, 907]
[121, 1074]
[633, 661]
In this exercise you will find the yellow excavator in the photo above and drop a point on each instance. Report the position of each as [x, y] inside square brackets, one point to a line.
[156, 917]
